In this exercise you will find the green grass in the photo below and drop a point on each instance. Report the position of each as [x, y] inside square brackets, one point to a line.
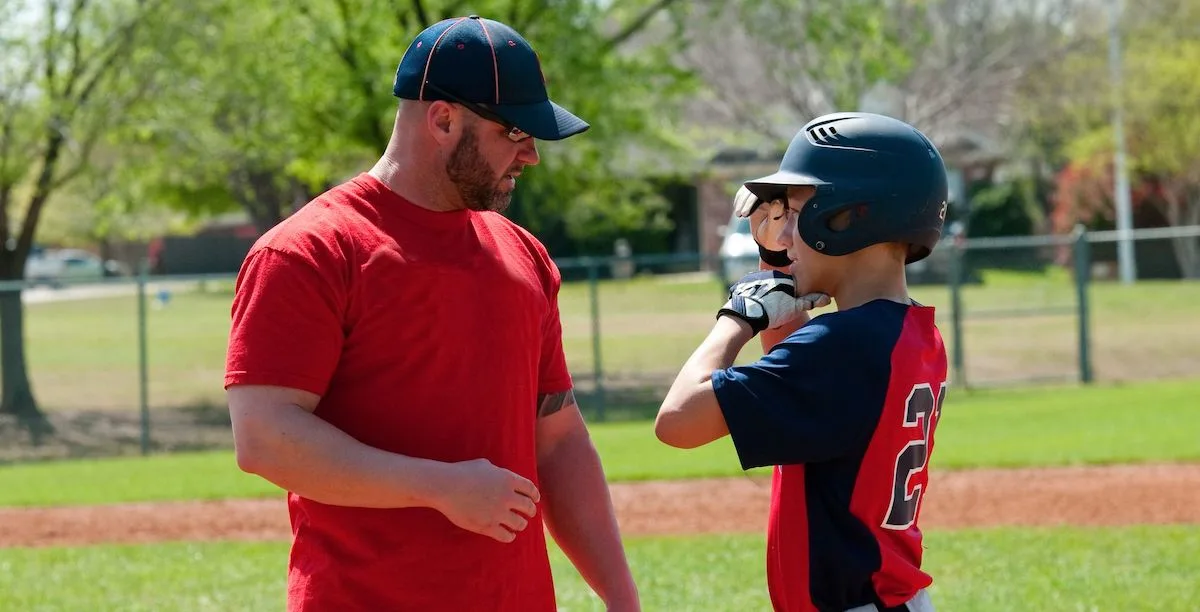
[84, 354]
[1070, 425]
[1148, 568]
[1061, 426]
[183, 476]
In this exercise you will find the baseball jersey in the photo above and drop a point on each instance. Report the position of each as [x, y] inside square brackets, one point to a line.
[845, 408]
[425, 333]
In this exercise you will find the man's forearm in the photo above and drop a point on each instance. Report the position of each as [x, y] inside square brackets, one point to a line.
[299, 452]
[580, 516]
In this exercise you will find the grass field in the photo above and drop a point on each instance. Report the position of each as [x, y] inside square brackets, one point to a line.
[1150, 568]
[1128, 569]
[991, 428]
[84, 354]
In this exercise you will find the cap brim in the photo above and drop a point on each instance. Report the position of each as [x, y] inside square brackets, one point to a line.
[771, 186]
[543, 120]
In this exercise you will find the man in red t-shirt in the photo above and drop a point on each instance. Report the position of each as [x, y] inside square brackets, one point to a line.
[396, 363]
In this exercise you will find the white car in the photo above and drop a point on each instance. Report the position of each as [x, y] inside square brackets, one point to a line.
[53, 266]
[738, 252]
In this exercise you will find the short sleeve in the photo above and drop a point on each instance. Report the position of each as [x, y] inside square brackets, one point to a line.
[286, 323]
[553, 375]
[812, 398]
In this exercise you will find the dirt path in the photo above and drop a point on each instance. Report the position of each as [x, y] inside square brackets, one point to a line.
[1119, 495]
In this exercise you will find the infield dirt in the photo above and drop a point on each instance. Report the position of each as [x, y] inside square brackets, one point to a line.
[1080, 496]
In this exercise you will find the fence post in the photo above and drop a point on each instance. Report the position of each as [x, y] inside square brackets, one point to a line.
[1083, 264]
[143, 360]
[597, 362]
[956, 313]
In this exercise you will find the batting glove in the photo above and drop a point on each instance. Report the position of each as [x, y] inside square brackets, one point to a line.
[764, 226]
[767, 300]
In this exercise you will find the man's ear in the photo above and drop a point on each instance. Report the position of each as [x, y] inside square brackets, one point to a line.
[442, 121]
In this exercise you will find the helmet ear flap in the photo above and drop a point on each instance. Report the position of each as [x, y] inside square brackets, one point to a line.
[837, 228]
[846, 218]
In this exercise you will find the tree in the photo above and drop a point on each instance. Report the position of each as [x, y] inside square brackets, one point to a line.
[945, 66]
[770, 66]
[1161, 83]
[267, 135]
[68, 73]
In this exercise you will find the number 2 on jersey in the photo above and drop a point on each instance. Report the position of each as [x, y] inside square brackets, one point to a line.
[920, 410]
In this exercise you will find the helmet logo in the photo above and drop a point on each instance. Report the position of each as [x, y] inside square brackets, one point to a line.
[820, 245]
[942, 212]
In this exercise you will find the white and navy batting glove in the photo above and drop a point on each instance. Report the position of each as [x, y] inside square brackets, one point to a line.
[767, 300]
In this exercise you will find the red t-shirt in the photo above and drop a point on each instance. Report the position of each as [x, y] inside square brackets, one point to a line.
[425, 333]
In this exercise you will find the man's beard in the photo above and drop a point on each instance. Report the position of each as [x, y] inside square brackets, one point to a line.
[473, 178]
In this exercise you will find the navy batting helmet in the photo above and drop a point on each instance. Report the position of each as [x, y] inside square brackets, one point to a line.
[884, 171]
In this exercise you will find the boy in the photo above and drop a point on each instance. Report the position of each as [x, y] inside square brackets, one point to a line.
[843, 405]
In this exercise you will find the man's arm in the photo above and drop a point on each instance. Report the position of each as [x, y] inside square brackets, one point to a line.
[277, 436]
[690, 415]
[578, 509]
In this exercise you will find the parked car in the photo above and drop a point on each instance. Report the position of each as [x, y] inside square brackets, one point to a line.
[738, 252]
[54, 266]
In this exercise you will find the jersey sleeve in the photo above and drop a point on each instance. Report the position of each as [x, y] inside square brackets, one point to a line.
[286, 324]
[811, 398]
[553, 375]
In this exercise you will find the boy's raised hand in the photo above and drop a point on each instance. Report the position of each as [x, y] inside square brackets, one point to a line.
[766, 223]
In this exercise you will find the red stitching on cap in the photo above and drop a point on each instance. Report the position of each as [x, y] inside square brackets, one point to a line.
[495, 63]
[428, 60]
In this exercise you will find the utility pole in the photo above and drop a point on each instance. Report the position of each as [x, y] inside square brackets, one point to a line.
[1125, 253]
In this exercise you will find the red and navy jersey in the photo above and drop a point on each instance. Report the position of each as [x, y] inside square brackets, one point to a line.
[845, 408]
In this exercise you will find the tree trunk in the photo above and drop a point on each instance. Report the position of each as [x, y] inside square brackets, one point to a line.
[1187, 253]
[1183, 210]
[16, 392]
[1187, 248]
[266, 197]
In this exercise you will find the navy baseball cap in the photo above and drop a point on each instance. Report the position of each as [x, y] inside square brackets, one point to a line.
[486, 66]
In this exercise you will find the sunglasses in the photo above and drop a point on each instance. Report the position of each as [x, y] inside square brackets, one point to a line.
[514, 133]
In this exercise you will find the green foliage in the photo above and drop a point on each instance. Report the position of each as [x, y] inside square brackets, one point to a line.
[1161, 81]
[275, 106]
[1006, 208]
[71, 75]
[807, 44]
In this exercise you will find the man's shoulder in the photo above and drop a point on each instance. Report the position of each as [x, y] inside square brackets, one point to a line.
[499, 222]
[516, 236]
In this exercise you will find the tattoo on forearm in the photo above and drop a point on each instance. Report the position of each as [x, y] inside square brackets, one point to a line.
[549, 404]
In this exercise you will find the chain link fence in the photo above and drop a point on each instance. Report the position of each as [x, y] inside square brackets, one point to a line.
[135, 365]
